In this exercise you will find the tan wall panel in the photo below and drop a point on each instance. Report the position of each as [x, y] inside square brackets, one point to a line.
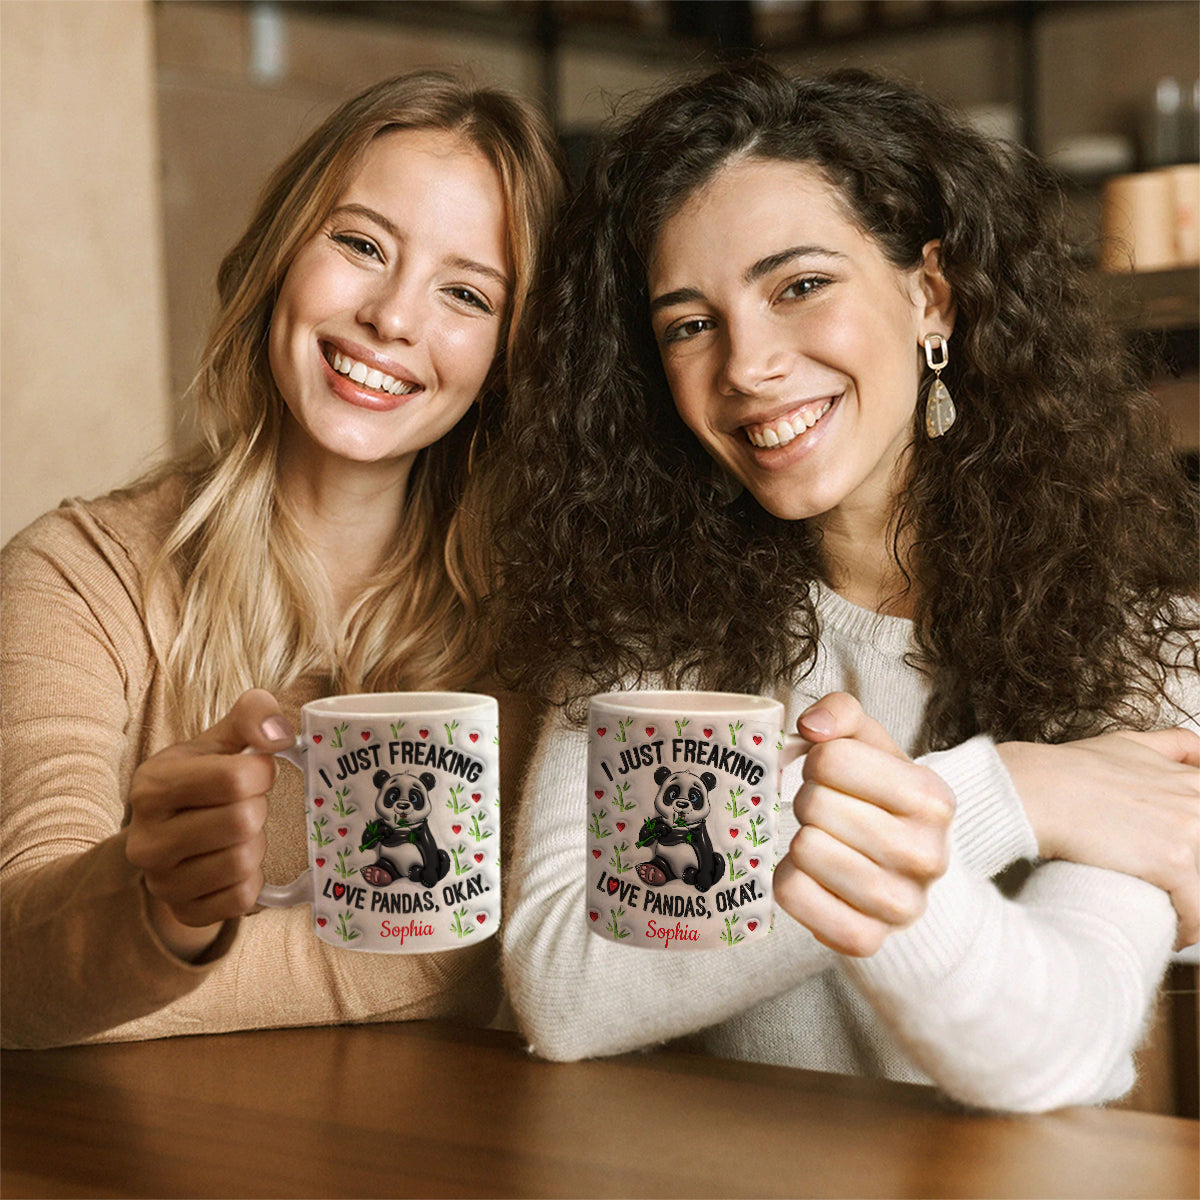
[82, 381]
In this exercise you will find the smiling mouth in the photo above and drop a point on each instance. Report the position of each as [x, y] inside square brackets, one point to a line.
[367, 377]
[768, 435]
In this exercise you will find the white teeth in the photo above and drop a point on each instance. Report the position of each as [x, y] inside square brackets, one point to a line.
[782, 431]
[368, 376]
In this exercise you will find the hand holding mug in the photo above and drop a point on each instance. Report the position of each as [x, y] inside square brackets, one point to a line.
[197, 812]
[874, 832]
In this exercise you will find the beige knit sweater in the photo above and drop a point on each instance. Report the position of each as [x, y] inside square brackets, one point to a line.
[83, 704]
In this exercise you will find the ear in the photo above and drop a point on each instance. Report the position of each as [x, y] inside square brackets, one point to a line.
[429, 780]
[379, 776]
[661, 774]
[934, 293]
[709, 780]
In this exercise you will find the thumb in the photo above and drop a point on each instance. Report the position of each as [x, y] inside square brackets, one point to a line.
[1178, 744]
[255, 722]
[840, 715]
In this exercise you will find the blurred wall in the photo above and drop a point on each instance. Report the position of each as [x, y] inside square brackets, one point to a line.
[83, 393]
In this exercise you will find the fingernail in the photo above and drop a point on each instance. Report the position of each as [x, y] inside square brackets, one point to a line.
[277, 729]
[819, 720]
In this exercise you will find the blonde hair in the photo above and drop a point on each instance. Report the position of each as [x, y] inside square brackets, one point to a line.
[255, 607]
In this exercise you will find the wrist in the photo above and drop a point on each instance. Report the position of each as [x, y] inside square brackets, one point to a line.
[1023, 762]
[187, 942]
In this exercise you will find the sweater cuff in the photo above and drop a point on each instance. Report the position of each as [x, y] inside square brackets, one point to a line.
[991, 830]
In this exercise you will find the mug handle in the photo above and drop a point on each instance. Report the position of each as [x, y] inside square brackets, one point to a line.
[299, 891]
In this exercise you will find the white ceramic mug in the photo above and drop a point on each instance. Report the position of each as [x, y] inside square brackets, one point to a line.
[403, 815]
[683, 804]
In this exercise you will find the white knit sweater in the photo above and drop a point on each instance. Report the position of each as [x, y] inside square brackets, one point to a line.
[1022, 1004]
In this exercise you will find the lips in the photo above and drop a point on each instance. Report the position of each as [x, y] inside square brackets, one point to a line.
[387, 384]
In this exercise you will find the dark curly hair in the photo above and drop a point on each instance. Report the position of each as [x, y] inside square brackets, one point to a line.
[1052, 533]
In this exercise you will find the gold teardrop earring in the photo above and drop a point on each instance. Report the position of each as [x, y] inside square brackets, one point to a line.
[940, 413]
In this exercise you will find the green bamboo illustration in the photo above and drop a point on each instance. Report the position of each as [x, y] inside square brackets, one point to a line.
[477, 831]
[735, 872]
[458, 925]
[733, 731]
[757, 839]
[620, 801]
[614, 927]
[340, 806]
[317, 835]
[343, 926]
[453, 725]
[618, 864]
[335, 738]
[680, 726]
[461, 865]
[624, 725]
[597, 829]
[396, 727]
[729, 937]
[453, 803]
[343, 868]
[733, 806]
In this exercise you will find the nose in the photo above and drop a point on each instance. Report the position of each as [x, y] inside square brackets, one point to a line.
[394, 309]
[755, 356]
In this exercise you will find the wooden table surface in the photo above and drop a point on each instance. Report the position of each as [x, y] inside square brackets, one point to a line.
[423, 1109]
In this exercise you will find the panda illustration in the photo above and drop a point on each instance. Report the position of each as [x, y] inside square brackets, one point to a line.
[677, 835]
[403, 841]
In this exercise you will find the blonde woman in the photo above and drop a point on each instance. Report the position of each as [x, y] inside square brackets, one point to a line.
[325, 537]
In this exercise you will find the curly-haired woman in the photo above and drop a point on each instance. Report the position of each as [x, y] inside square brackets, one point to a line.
[823, 410]
[324, 538]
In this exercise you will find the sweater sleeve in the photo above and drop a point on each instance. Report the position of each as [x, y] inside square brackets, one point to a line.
[577, 995]
[1026, 1004]
[79, 953]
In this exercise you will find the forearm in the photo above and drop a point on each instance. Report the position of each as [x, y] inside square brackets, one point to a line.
[1025, 1005]
[80, 955]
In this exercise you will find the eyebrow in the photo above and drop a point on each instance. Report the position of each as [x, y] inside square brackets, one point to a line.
[456, 261]
[756, 271]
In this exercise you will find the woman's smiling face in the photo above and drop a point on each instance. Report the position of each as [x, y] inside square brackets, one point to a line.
[790, 342]
[389, 317]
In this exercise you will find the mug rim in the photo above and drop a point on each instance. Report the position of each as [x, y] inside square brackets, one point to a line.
[376, 704]
[662, 700]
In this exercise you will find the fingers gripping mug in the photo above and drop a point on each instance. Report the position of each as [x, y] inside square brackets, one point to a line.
[402, 808]
[683, 803]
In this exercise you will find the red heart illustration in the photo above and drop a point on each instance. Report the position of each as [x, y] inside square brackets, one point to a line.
[456, 828]
[343, 831]
[320, 862]
[758, 739]
[756, 800]
[318, 800]
[476, 797]
[708, 732]
[595, 853]
[481, 917]
[602, 731]
[316, 737]
[593, 914]
[620, 826]
[321, 922]
[423, 732]
[366, 735]
[733, 831]
[613, 884]
[598, 793]
[479, 858]
[338, 890]
[649, 730]
[753, 863]
[752, 925]
[473, 736]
